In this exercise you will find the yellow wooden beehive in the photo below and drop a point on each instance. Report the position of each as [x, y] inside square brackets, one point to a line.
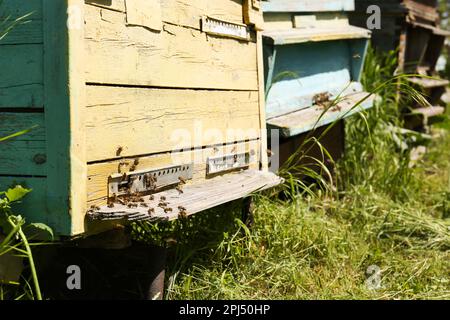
[137, 102]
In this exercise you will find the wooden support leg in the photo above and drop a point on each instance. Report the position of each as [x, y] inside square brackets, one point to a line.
[156, 271]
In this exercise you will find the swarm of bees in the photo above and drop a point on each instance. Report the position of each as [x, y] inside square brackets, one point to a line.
[135, 199]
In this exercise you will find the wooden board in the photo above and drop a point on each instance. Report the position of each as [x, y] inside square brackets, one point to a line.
[195, 198]
[328, 33]
[186, 13]
[149, 58]
[22, 76]
[308, 119]
[25, 154]
[30, 29]
[17, 9]
[145, 121]
[307, 5]
[98, 173]
[27, 33]
[64, 60]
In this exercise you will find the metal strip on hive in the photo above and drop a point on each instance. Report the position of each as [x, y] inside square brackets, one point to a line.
[225, 29]
[149, 180]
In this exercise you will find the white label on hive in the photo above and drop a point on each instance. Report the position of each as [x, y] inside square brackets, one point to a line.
[227, 162]
[225, 28]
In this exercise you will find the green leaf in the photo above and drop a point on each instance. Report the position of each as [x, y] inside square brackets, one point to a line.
[16, 193]
[42, 227]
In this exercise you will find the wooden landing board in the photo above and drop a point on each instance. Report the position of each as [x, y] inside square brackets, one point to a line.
[428, 83]
[195, 198]
[429, 112]
[98, 173]
[307, 5]
[302, 35]
[446, 96]
[125, 55]
[147, 121]
[308, 119]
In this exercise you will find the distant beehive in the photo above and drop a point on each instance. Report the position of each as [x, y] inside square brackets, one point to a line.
[114, 88]
[312, 55]
[412, 27]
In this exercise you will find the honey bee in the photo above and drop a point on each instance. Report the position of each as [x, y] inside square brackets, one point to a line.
[182, 214]
[132, 205]
[163, 198]
[151, 211]
[162, 205]
[182, 180]
[144, 205]
[132, 168]
[110, 205]
[152, 197]
[95, 208]
[179, 189]
[166, 210]
[119, 150]
[181, 208]
[121, 201]
[136, 161]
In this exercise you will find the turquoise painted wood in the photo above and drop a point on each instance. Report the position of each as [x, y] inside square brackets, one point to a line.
[308, 6]
[21, 81]
[327, 58]
[25, 154]
[300, 71]
[304, 70]
[57, 113]
[32, 207]
[23, 65]
[19, 8]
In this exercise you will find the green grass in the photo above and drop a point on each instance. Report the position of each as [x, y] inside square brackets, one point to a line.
[320, 245]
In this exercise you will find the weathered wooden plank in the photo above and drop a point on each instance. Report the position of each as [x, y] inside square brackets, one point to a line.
[64, 97]
[26, 33]
[25, 154]
[145, 121]
[196, 198]
[22, 96]
[317, 116]
[34, 206]
[16, 9]
[11, 123]
[19, 157]
[98, 173]
[22, 76]
[262, 104]
[150, 58]
[307, 5]
[186, 13]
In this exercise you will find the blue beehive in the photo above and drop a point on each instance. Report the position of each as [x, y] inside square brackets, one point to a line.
[312, 55]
